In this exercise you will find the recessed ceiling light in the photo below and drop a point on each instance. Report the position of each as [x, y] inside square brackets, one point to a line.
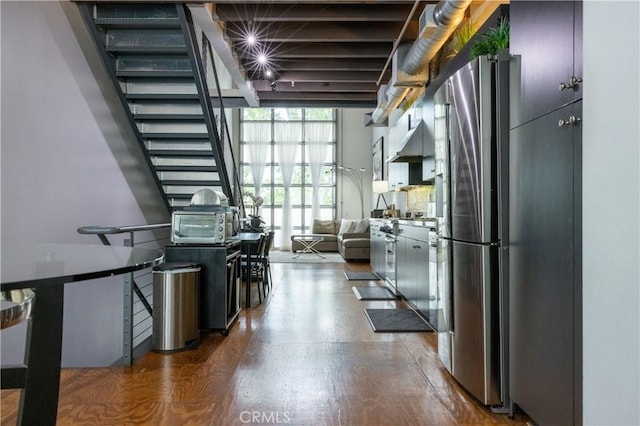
[268, 73]
[262, 59]
[251, 39]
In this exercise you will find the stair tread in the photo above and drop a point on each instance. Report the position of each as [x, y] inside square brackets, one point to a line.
[191, 182]
[180, 153]
[175, 135]
[186, 168]
[162, 96]
[172, 117]
[146, 50]
[179, 196]
[138, 23]
[154, 74]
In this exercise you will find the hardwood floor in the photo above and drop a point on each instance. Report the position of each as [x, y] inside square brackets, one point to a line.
[307, 355]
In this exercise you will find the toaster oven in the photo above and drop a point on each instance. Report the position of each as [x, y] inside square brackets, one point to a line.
[210, 225]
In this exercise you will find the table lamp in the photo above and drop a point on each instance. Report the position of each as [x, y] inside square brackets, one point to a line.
[380, 187]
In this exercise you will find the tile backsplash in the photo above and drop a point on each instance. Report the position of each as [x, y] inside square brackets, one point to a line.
[419, 197]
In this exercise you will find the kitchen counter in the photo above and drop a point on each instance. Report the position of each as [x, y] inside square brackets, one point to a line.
[425, 223]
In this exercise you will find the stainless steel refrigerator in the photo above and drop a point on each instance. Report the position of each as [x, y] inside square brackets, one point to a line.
[471, 129]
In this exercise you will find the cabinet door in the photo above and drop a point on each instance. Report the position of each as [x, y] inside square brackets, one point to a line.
[429, 168]
[543, 289]
[542, 33]
[380, 254]
[577, 47]
[413, 261]
[398, 175]
[377, 250]
[213, 281]
[404, 274]
[422, 281]
[403, 174]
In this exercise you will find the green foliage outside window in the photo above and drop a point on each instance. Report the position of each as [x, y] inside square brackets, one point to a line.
[256, 114]
[319, 114]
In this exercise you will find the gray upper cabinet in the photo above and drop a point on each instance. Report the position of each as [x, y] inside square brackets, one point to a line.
[548, 38]
[405, 174]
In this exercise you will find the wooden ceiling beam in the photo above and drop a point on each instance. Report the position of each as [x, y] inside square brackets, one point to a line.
[285, 86]
[281, 95]
[343, 32]
[330, 64]
[292, 50]
[312, 12]
[329, 76]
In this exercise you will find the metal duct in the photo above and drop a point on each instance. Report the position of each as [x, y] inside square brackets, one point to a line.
[447, 15]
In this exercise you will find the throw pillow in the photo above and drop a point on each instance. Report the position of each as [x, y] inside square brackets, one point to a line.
[323, 227]
[347, 226]
[362, 226]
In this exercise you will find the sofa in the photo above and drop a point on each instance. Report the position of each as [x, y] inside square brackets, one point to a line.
[348, 237]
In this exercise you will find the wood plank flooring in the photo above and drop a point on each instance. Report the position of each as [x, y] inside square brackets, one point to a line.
[307, 355]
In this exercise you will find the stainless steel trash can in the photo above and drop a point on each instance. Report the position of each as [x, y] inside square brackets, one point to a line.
[175, 306]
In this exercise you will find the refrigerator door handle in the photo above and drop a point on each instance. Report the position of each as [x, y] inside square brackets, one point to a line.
[439, 179]
[439, 183]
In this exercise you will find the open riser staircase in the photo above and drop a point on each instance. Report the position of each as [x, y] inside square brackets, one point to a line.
[153, 53]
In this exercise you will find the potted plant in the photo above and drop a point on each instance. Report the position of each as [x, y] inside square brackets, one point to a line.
[493, 41]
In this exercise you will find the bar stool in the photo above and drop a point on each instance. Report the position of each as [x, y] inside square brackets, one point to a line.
[15, 307]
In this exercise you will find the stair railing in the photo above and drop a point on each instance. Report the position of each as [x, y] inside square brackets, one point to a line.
[136, 324]
[200, 79]
[200, 62]
[224, 123]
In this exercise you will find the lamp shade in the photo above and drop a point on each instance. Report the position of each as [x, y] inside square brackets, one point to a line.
[380, 186]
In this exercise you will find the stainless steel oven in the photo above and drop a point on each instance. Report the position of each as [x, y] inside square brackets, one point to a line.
[390, 230]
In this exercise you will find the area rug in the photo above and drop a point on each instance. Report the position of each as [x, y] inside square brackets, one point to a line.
[360, 276]
[278, 256]
[373, 293]
[395, 320]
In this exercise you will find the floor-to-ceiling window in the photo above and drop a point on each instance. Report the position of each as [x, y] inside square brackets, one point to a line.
[287, 155]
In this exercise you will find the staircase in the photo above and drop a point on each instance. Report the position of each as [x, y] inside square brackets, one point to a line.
[153, 55]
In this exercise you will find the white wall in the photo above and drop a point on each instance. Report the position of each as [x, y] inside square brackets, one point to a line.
[354, 150]
[611, 231]
[68, 159]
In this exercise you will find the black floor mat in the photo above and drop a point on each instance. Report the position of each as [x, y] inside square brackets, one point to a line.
[398, 320]
[360, 276]
[373, 293]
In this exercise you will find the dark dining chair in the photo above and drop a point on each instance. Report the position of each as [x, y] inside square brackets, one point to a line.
[267, 282]
[256, 265]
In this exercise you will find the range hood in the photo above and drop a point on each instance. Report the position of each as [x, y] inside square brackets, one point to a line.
[411, 151]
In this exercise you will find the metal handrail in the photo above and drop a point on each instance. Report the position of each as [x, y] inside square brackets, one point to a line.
[130, 285]
[101, 231]
[121, 229]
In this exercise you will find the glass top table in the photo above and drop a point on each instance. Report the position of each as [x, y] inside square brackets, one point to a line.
[35, 265]
[46, 268]
[308, 241]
